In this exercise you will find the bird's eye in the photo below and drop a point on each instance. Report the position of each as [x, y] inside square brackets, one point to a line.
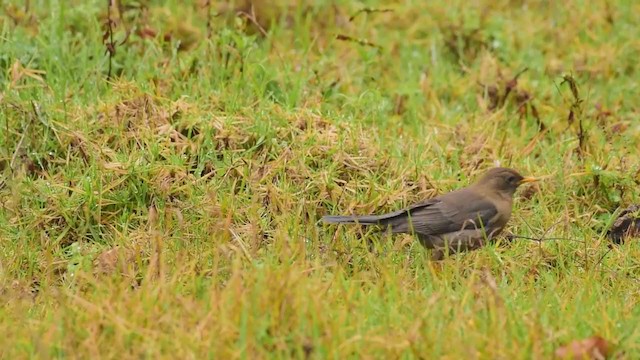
[511, 179]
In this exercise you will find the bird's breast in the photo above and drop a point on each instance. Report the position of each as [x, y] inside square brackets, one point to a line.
[503, 214]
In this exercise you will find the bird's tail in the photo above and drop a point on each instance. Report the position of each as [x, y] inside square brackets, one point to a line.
[361, 220]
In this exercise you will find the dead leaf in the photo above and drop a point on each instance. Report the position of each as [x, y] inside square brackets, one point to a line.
[594, 347]
[626, 225]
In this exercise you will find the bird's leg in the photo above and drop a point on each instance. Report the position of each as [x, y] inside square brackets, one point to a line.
[456, 247]
[474, 244]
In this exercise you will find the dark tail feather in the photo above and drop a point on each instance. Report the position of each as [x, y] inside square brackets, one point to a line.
[362, 220]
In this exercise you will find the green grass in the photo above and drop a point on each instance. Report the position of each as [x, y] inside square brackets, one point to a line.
[173, 210]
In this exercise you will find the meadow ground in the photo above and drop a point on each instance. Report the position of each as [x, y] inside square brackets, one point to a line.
[164, 166]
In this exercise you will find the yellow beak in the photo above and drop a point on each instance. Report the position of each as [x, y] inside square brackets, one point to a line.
[527, 180]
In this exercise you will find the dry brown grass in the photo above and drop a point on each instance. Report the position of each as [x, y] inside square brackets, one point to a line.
[172, 211]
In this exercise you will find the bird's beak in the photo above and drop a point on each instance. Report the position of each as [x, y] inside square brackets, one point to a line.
[527, 180]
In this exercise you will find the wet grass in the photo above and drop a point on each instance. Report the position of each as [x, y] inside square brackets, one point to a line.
[161, 191]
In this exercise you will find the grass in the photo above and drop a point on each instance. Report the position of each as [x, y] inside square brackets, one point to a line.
[172, 209]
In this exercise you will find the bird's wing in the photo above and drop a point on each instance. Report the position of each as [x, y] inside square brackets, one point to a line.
[445, 214]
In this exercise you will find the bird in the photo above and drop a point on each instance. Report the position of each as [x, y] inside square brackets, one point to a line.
[458, 221]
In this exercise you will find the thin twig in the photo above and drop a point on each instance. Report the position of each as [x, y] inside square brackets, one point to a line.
[551, 227]
[512, 236]
[111, 48]
[531, 229]
[512, 84]
[369, 11]
[207, 5]
[254, 21]
[603, 256]
[362, 42]
[252, 17]
[576, 111]
[542, 238]
[127, 30]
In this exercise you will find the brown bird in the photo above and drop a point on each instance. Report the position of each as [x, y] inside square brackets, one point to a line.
[457, 221]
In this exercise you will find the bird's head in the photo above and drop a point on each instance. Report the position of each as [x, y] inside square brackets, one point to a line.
[504, 181]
